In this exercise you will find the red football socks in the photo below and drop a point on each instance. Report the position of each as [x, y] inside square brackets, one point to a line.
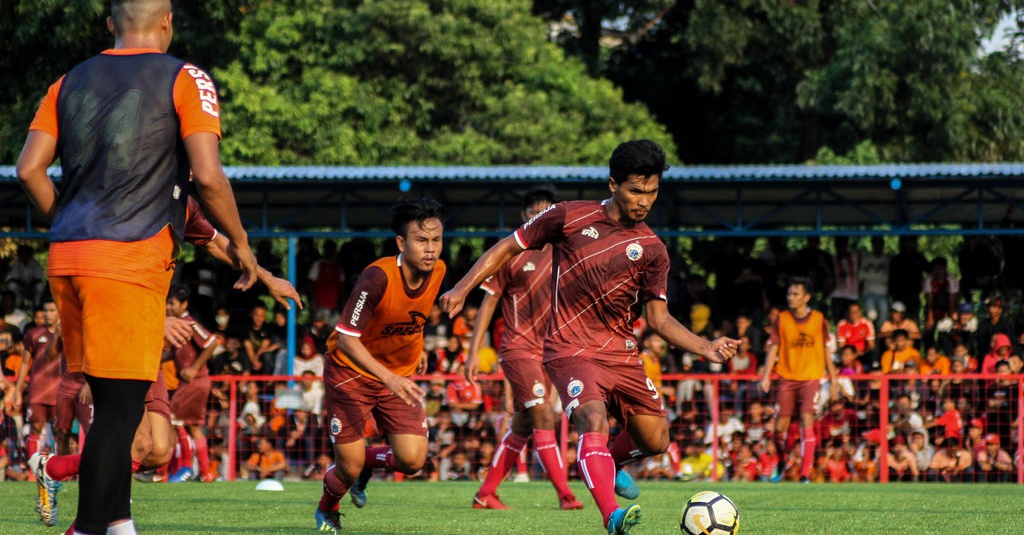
[624, 450]
[598, 471]
[334, 489]
[505, 458]
[63, 467]
[551, 459]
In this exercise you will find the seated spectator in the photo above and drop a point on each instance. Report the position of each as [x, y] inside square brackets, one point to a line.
[308, 359]
[696, 464]
[837, 466]
[901, 461]
[934, 363]
[969, 361]
[995, 465]
[951, 463]
[745, 466]
[233, 361]
[13, 314]
[857, 331]
[1001, 348]
[838, 422]
[1016, 362]
[905, 418]
[312, 393]
[768, 461]
[898, 320]
[728, 424]
[960, 328]
[894, 360]
[266, 463]
[259, 345]
[865, 463]
[849, 365]
[921, 450]
[456, 467]
[452, 357]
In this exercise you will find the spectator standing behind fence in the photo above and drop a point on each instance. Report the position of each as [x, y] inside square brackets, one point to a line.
[846, 268]
[941, 289]
[994, 322]
[326, 279]
[115, 222]
[952, 463]
[612, 268]
[797, 353]
[874, 281]
[377, 346]
[523, 288]
[1001, 404]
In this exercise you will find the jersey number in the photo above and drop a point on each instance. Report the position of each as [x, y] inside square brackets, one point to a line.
[118, 131]
[652, 388]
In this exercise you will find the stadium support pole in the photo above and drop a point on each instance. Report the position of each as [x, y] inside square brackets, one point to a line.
[883, 428]
[232, 429]
[292, 327]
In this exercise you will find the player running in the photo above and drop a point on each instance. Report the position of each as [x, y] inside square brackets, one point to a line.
[608, 268]
[374, 350]
[523, 287]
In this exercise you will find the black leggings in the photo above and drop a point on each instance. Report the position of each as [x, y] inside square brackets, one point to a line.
[105, 476]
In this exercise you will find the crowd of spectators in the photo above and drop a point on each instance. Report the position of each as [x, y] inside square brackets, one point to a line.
[901, 315]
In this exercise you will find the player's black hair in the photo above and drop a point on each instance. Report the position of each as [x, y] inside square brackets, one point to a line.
[415, 210]
[801, 281]
[179, 292]
[543, 192]
[638, 157]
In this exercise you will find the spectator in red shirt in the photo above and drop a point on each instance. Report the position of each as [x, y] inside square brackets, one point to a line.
[950, 420]
[856, 330]
[839, 421]
[1000, 351]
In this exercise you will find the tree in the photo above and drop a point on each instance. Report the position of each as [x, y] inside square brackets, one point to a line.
[744, 81]
[415, 82]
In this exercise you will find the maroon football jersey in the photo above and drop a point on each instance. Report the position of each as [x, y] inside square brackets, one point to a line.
[198, 230]
[187, 354]
[70, 383]
[45, 374]
[604, 273]
[524, 286]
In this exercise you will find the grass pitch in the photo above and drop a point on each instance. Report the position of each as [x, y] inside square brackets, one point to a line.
[444, 508]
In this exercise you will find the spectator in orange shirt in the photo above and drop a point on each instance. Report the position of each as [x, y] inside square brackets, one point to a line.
[267, 462]
[934, 362]
[894, 360]
[898, 320]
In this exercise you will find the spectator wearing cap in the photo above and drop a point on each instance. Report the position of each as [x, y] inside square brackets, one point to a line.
[994, 322]
[1001, 348]
[895, 360]
[961, 328]
[951, 463]
[994, 464]
[898, 319]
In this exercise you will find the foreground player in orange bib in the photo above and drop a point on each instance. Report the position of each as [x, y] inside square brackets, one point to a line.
[608, 267]
[374, 350]
[523, 287]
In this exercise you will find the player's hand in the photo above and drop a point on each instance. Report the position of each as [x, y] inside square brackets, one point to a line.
[282, 290]
[85, 394]
[766, 385]
[722, 349]
[243, 260]
[16, 401]
[472, 367]
[421, 368]
[451, 303]
[177, 331]
[833, 390]
[404, 388]
[188, 374]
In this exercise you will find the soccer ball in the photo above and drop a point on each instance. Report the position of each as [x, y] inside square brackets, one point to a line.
[710, 513]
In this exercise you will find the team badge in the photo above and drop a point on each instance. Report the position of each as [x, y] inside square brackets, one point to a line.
[575, 388]
[591, 232]
[335, 426]
[43, 339]
[529, 266]
[634, 251]
[538, 390]
[630, 344]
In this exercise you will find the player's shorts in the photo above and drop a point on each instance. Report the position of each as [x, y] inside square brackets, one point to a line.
[790, 393]
[39, 413]
[111, 329]
[621, 385]
[352, 397]
[69, 409]
[189, 401]
[530, 383]
[157, 398]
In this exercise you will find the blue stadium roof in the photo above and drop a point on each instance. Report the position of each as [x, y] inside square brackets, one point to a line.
[740, 173]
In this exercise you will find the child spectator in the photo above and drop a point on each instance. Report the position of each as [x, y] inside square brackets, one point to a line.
[934, 363]
[837, 467]
[950, 420]
[768, 461]
[967, 358]
[745, 466]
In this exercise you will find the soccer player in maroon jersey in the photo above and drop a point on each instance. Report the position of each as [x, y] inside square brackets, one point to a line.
[523, 287]
[188, 405]
[609, 266]
[45, 374]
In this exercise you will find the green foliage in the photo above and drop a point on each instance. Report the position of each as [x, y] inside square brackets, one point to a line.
[465, 82]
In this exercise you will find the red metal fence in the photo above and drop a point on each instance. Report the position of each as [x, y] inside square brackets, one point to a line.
[867, 437]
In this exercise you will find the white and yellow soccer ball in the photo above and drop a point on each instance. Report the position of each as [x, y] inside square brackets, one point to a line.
[710, 513]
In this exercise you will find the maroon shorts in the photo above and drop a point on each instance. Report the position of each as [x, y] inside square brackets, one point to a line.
[790, 393]
[189, 401]
[70, 409]
[622, 386]
[39, 413]
[351, 398]
[157, 398]
[530, 384]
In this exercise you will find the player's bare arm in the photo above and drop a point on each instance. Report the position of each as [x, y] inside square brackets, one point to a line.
[488, 264]
[189, 373]
[219, 202]
[36, 156]
[19, 383]
[483, 320]
[402, 387]
[769, 365]
[675, 333]
[280, 289]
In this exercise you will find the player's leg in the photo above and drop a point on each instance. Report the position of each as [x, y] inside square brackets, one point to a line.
[347, 406]
[808, 441]
[348, 463]
[786, 397]
[37, 417]
[162, 438]
[407, 454]
[202, 451]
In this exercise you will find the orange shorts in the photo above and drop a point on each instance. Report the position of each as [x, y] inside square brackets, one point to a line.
[111, 329]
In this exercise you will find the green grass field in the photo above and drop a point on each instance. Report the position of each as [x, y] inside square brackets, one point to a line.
[443, 508]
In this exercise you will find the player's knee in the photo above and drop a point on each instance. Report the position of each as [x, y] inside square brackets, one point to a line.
[409, 464]
[142, 446]
[542, 417]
